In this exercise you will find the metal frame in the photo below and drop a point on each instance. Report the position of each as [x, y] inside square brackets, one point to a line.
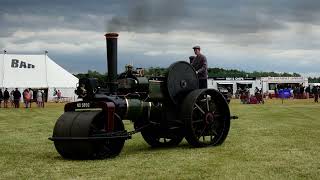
[107, 107]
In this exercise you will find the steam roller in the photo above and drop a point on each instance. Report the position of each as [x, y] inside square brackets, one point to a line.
[165, 109]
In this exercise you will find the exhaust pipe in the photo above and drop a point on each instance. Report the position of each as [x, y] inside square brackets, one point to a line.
[112, 53]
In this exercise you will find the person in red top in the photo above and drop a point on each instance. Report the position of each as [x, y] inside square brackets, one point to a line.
[26, 98]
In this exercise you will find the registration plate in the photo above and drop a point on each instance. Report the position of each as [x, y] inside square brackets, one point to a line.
[83, 105]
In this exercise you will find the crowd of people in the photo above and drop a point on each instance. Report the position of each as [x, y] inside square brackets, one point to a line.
[244, 95]
[301, 92]
[28, 96]
[58, 94]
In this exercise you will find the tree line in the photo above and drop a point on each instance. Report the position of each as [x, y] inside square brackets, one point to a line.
[220, 72]
[102, 78]
[314, 80]
[212, 72]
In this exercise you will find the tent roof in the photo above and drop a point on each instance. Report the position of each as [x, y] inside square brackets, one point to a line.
[33, 71]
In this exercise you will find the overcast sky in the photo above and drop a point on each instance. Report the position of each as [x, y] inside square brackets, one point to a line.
[265, 35]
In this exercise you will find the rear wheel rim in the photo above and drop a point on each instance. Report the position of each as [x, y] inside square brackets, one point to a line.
[207, 118]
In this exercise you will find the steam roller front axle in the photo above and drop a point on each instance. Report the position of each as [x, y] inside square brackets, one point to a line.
[79, 135]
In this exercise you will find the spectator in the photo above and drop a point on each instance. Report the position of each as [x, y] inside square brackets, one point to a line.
[26, 98]
[276, 92]
[301, 91]
[253, 100]
[237, 95]
[315, 91]
[55, 92]
[43, 98]
[39, 98]
[59, 95]
[6, 97]
[294, 92]
[308, 89]
[16, 98]
[256, 90]
[12, 98]
[1, 97]
[31, 97]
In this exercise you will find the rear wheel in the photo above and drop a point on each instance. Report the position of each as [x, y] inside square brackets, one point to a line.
[207, 117]
[153, 138]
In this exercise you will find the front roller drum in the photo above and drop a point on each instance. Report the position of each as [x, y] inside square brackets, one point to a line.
[207, 118]
[76, 136]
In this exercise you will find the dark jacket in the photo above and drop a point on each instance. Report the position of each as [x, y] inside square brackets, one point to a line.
[1, 95]
[200, 64]
[301, 90]
[16, 95]
[315, 90]
[308, 89]
[6, 95]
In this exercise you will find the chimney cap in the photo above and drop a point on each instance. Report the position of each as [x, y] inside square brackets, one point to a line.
[111, 35]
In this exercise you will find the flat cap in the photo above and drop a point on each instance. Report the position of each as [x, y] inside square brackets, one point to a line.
[196, 47]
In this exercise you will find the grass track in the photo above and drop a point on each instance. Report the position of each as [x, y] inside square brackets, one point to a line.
[270, 141]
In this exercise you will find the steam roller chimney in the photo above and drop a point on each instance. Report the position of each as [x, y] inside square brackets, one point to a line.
[112, 60]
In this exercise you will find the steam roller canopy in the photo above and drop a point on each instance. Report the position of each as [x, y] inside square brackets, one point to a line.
[181, 79]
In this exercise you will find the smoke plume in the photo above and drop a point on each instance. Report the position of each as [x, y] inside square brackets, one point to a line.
[149, 16]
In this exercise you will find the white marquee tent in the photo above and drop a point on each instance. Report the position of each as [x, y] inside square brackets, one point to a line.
[37, 72]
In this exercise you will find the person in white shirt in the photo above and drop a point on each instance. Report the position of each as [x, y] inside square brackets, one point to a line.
[39, 98]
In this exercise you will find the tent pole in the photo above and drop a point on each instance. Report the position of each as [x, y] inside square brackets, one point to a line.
[4, 53]
[46, 69]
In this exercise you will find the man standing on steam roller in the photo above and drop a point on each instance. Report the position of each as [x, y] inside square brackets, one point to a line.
[201, 66]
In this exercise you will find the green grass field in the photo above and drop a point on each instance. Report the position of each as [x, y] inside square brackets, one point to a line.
[270, 141]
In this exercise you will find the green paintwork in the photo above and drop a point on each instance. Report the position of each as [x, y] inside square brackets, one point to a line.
[156, 90]
[137, 109]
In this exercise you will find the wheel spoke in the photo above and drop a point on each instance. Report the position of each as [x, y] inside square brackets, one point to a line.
[214, 127]
[214, 132]
[217, 114]
[208, 107]
[200, 109]
[197, 121]
[202, 131]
